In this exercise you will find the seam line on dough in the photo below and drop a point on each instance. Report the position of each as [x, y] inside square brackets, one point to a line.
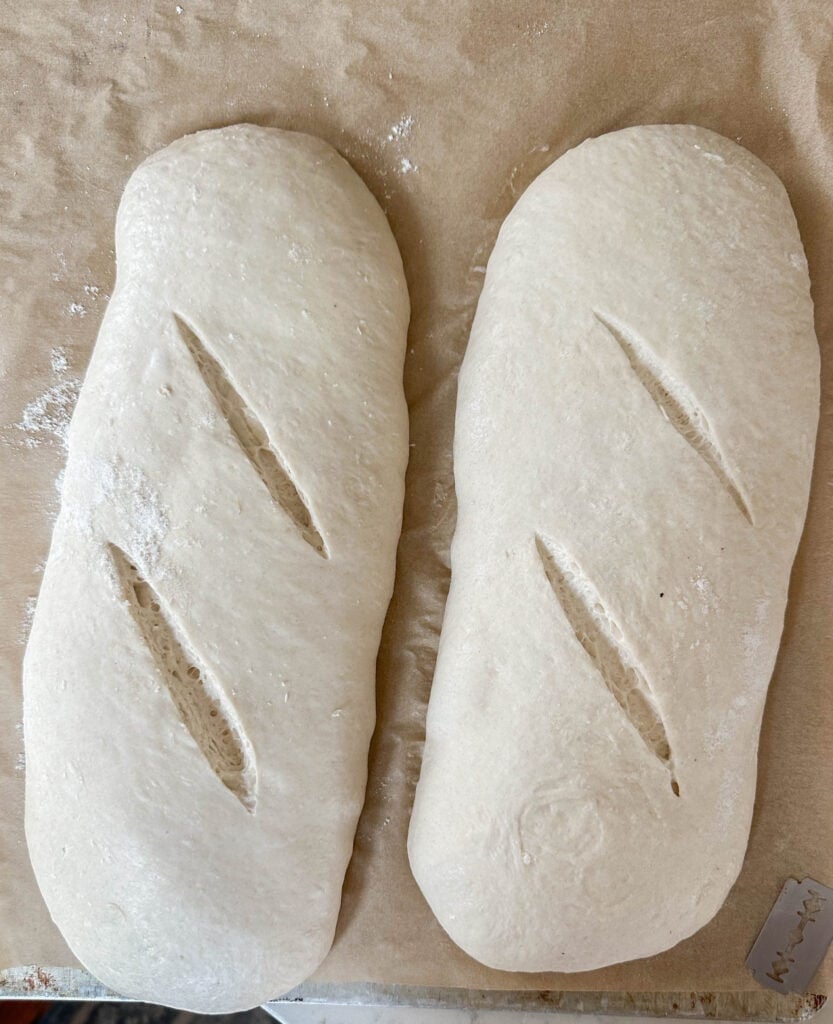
[602, 641]
[204, 708]
[676, 407]
[252, 438]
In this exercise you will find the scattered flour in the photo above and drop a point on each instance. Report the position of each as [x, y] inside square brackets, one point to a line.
[26, 622]
[58, 361]
[47, 416]
[50, 413]
[402, 129]
[76, 309]
[60, 274]
[536, 29]
[398, 134]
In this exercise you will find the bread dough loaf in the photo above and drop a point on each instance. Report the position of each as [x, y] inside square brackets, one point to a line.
[199, 683]
[634, 442]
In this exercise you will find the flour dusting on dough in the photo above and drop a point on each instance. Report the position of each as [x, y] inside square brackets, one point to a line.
[705, 590]
[727, 728]
[754, 638]
[298, 253]
[726, 804]
[142, 517]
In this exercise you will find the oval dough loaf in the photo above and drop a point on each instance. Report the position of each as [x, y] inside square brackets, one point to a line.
[634, 442]
[199, 683]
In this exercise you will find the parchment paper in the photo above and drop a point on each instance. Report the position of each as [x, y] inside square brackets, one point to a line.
[447, 110]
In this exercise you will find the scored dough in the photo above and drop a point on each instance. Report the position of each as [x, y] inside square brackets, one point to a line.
[634, 441]
[199, 682]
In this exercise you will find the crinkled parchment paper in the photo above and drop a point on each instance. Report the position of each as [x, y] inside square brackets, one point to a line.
[447, 110]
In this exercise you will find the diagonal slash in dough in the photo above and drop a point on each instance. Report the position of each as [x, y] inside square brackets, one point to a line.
[602, 639]
[205, 709]
[253, 439]
[677, 407]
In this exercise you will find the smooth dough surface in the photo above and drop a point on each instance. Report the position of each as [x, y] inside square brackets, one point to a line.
[199, 682]
[635, 431]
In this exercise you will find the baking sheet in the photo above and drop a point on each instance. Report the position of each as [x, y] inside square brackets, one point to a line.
[447, 110]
